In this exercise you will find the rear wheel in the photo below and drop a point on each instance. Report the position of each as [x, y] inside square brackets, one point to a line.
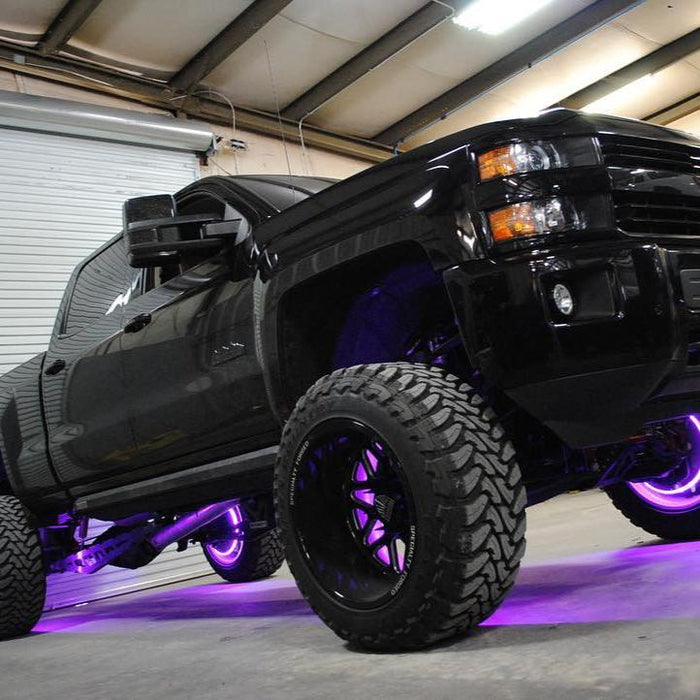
[22, 578]
[238, 558]
[667, 506]
[400, 503]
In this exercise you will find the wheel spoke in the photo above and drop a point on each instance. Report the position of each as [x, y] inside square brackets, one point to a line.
[370, 461]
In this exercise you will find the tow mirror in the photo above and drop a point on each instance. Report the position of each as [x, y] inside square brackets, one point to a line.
[155, 235]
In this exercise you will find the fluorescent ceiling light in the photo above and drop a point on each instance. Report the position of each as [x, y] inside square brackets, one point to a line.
[615, 100]
[497, 16]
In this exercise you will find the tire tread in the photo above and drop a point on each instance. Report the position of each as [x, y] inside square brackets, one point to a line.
[22, 578]
[475, 479]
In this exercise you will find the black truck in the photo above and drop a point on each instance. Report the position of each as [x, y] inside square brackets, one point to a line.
[373, 377]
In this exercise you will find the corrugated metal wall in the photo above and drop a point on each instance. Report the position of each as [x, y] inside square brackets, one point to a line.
[60, 198]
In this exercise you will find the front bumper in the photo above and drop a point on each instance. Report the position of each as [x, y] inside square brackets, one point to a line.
[630, 353]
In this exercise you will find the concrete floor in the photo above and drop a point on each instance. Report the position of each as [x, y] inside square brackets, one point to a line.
[601, 610]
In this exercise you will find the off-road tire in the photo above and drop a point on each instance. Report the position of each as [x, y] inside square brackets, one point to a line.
[260, 558]
[672, 526]
[466, 487]
[22, 578]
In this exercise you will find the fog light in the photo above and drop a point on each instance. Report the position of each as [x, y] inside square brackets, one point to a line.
[563, 299]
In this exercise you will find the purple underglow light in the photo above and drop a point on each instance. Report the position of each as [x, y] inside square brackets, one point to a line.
[373, 461]
[685, 495]
[228, 554]
[642, 583]
[364, 496]
[651, 582]
[361, 518]
[383, 555]
[360, 473]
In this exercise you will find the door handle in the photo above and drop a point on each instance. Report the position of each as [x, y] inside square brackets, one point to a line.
[55, 368]
[137, 323]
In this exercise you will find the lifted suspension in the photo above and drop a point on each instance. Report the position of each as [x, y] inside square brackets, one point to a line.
[150, 540]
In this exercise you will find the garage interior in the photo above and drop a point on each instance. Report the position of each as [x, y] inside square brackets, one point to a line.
[102, 100]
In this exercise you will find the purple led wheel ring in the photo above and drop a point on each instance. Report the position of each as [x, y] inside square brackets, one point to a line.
[680, 492]
[227, 553]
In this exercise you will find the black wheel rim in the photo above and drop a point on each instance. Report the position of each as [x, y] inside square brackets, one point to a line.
[352, 513]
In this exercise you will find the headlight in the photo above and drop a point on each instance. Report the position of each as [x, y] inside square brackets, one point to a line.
[552, 215]
[537, 155]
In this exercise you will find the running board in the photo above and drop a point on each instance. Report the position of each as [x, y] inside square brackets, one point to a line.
[226, 478]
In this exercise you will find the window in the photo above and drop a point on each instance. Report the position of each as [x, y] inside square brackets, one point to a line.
[104, 285]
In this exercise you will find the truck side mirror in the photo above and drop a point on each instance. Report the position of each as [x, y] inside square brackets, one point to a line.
[154, 234]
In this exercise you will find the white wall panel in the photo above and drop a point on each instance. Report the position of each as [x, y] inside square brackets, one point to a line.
[60, 198]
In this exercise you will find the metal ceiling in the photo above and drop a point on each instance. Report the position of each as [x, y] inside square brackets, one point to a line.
[361, 77]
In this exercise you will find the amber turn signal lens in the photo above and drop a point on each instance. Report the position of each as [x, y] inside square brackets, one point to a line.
[513, 222]
[497, 163]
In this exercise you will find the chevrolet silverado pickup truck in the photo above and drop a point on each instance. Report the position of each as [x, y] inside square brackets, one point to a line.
[371, 377]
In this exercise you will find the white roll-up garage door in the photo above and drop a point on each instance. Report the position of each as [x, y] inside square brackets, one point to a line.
[60, 198]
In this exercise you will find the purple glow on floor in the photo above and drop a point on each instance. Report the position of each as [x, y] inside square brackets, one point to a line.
[642, 583]
[276, 598]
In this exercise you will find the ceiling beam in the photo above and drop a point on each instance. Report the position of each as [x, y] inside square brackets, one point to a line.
[248, 23]
[70, 71]
[65, 24]
[655, 61]
[388, 45]
[563, 34]
[676, 111]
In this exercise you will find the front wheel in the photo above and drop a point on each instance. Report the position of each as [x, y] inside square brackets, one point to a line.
[22, 578]
[400, 504]
[667, 506]
[238, 558]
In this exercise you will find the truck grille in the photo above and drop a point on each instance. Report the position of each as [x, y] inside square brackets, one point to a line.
[657, 213]
[630, 152]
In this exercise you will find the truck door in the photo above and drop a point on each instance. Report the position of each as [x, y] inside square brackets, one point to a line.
[195, 386]
[83, 382]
